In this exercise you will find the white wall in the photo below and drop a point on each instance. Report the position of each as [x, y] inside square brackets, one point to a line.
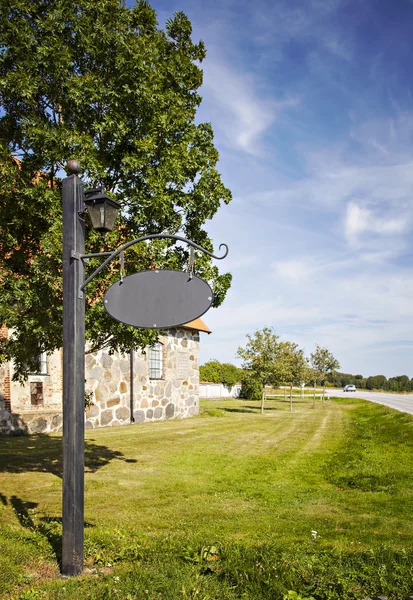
[218, 390]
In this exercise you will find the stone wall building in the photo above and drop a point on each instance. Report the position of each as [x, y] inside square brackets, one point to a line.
[161, 383]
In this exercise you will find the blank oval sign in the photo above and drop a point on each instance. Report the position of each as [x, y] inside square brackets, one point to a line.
[158, 299]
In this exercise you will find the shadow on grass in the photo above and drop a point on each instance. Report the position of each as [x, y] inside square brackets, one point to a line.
[49, 527]
[42, 453]
[247, 409]
[266, 408]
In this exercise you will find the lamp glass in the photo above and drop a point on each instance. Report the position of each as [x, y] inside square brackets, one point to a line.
[103, 213]
[111, 214]
[97, 215]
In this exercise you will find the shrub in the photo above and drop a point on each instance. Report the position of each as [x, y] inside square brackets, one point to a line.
[251, 389]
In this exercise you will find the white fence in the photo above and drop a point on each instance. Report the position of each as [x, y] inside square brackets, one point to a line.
[218, 390]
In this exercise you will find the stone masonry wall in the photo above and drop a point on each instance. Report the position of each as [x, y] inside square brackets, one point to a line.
[176, 394]
[52, 388]
[108, 378]
[22, 416]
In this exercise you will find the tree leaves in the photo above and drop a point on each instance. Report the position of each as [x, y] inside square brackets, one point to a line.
[323, 361]
[260, 355]
[101, 83]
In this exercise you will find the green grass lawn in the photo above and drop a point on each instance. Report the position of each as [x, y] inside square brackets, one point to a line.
[231, 504]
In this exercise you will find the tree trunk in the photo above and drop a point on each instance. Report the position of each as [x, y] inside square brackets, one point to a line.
[324, 388]
[285, 393]
[291, 398]
[314, 395]
[262, 400]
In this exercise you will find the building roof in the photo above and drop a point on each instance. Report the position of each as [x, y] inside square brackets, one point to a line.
[197, 324]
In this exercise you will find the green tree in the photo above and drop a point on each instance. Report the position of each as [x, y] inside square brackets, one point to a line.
[216, 372]
[250, 388]
[210, 372]
[377, 382]
[99, 82]
[338, 379]
[323, 362]
[360, 382]
[259, 359]
[291, 366]
[400, 383]
[230, 374]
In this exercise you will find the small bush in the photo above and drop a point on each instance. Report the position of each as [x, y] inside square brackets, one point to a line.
[251, 390]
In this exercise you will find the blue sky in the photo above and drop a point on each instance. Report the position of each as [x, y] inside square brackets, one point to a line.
[312, 108]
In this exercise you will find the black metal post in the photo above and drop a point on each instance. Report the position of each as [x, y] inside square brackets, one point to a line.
[131, 374]
[73, 374]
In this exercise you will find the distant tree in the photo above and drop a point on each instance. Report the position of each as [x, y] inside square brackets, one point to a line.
[291, 366]
[404, 383]
[400, 383]
[231, 374]
[392, 385]
[216, 372]
[339, 380]
[377, 382]
[251, 389]
[210, 372]
[360, 382]
[259, 359]
[323, 362]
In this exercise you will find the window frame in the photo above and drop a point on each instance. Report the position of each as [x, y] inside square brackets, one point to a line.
[37, 393]
[43, 365]
[156, 355]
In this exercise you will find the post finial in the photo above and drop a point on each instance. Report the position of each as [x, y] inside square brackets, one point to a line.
[73, 167]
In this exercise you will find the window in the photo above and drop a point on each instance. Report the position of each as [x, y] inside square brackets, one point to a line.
[42, 364]
[36, 393]
[156, 361]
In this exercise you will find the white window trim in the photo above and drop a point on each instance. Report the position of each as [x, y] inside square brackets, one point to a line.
[158, 347]
[43, 363]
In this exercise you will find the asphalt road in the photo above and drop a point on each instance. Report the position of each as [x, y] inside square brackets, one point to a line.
[401, 402]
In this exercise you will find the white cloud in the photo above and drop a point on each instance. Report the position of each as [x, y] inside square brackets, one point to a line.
[241, 113]
[359, 220]
[295, 270]
[328, 214]
[356, 219]
[336, 248]
[343, 305]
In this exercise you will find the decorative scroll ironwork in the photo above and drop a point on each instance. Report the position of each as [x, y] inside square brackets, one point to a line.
[112, 255]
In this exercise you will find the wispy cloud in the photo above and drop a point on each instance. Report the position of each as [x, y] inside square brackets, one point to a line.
[348, 267]
[359, 220]
[240, 113]
[282, 22]
[314, 125]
